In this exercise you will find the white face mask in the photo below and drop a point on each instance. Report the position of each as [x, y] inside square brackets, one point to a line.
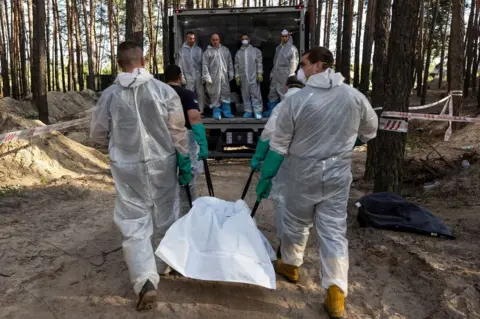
[301, 76]
[245, 42]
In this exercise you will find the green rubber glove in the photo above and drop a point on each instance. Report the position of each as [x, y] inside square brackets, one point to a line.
[271, 165]
[200, 136]
[358, 142]
[260, 154]
[184, 169]
[238, 81]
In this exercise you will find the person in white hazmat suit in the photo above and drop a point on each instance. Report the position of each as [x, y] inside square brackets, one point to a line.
[144, 120]
[248, 76]
[190, 62]
[217, 72]
[314, 138]
[285, 63]
[263, 145]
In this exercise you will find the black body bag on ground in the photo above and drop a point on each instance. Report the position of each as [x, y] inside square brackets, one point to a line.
[390, 211]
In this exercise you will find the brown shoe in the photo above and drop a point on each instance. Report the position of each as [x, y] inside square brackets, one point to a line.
[147, 297]
[290, 272]
[335, 302]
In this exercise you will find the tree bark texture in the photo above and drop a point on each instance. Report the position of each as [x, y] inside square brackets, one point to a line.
[134, 21]
[398, 85]
[358, 37]
[40, 100]
[469, 52]
[367, 47]
[456, 54]
[338, 50]
[382, 29]
[429, 52]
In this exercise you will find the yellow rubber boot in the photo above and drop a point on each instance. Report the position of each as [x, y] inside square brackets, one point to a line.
[335, 302]
[290, 272]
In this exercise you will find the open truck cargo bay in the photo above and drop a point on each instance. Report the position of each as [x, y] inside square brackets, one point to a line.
[237, 137]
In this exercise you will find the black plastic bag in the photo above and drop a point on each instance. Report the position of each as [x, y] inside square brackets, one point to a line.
[392, 212]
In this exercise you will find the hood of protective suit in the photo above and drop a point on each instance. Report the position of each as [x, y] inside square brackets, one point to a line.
[292, 91]
[134, 79]
[325, 80]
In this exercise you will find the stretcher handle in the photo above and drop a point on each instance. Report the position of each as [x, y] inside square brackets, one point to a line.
[189, 195]
[254, 210]
[208, 177]
[247, 185]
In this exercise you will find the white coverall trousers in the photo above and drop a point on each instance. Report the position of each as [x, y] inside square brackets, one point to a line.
[196, 86]
[317, 194]
[144, 212]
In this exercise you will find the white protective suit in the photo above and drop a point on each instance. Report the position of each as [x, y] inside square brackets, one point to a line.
[278, 186]
[190, 62]
[147, 127]
[217, 72]
[316, 131]
[285, 63]
[248, 63]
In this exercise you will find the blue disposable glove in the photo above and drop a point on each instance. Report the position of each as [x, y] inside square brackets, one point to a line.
[184, 169]
[200, 136]
[260, 153]
[271, 165]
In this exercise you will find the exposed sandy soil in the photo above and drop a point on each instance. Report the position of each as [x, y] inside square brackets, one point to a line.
[60, 257]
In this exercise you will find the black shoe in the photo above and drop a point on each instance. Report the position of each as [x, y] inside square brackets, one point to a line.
[147, 297]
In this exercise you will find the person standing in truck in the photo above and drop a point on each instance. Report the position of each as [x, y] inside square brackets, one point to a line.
[190, 62]
[142, 120]
[197, 138]
[249, 75]
[217, 72]
[313, 140]
[285, 63]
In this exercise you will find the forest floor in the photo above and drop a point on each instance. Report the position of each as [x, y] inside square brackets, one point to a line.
[60, 253]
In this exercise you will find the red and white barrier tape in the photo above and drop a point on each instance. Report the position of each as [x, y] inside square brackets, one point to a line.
[393, 125]
[431, 117]
[35, 131]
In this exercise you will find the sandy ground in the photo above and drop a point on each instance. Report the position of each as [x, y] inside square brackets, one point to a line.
[60, 251]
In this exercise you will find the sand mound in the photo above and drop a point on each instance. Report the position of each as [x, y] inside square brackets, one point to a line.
[50, 156]
[61, 106]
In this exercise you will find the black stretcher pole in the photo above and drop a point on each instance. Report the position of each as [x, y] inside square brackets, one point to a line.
[189, 195]
[208, 178]
[247, 185]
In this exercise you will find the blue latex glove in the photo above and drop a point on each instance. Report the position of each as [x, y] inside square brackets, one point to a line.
[271, 165]
[260, 153]
[200, 136]
[184, 169]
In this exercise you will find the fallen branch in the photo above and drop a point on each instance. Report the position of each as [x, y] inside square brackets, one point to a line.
[5, 275]
[103, 254]
[436, 151]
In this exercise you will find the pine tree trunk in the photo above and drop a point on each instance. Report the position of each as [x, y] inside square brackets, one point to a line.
[442, 54]
[40, 100]
[469, 52]
[62, 63]
[13, 52]
[78, 45]
[328, 23]
[475, 50]
[398, 85]
[429, 52]
[456, 54]
[23, 49]
[367, 47]
[117, 24]
[90, 59]
[347, 39]
[30, 42]
[382, 26]
[166, 58]
[319, 23]
[150, 34]
[134, 21]
[112, 43]
[3, 55]
[47, 46]
[338, 50]
[420, 50]
[56, 75]
[358, 36]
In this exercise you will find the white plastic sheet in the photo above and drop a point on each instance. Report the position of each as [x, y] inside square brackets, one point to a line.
[219, 241]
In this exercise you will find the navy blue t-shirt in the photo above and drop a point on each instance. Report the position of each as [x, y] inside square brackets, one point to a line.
[189, 102]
